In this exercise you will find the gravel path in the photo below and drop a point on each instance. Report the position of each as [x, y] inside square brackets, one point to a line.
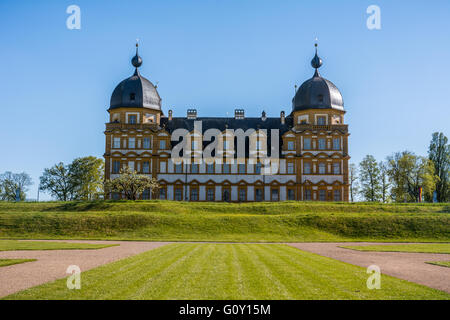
[52, 264]
[402, 265]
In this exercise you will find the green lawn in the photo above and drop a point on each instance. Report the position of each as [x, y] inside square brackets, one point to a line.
[229, 271]
[9, 262]
[11, 245]
[441, 263]
[289, 221]
[419, 247]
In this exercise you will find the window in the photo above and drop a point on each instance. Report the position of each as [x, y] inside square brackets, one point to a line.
[258, 168]
[210, 168]
[194, 168]
[226, 194]
[226, 168]
[162, 193]
[146, 194]
[307, 143]
[178, 168]
[337, 195]
[242, 194]
[320, 97]
[132, 96]
[291, 145]
[162, 144]
[194, 194]
[226, 145]
[132, 119]
[259, 145]
[178, 194]
[322, 168]
[194, 145]
[322, 144]
[241, 168]
[145, 167]
[131, 143]
[322, 195]
[258, 194]
[131, 165]
[274, 194]
[336, 168]
[162, 166]
[116, 143]
[290, 167]
[321, 120]
[210, 194]
[308, 194]
[116, 166]
[307, 168]
[291, 194]
[146, 143]
[336, 143]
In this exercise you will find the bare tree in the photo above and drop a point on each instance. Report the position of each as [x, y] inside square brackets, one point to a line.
[353, 181]
[384, 181]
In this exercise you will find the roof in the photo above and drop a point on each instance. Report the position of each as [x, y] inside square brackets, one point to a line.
[230, 123]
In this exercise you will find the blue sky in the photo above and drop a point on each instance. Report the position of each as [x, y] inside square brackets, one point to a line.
[216, 56]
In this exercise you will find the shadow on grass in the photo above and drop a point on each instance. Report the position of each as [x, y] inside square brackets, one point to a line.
[81, 206]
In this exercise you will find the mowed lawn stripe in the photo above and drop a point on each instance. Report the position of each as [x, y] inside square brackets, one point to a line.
[289, 265]
[269, 274]
[229, 271]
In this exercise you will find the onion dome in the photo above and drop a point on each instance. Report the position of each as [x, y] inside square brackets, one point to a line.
[135, 91]
[317, 92]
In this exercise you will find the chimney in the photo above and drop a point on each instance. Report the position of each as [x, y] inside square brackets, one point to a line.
[170, 115]
[239, 114]
[263, 116]
[283, 118]
[192, 114]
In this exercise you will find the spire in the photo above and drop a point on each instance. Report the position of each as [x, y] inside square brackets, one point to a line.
[316, 62]
[137, 60]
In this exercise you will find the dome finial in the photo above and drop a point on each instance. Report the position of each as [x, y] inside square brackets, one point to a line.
[137, 60]
[316, 62]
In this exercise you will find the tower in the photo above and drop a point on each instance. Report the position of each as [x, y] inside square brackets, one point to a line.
[322, 138]
[134, 118]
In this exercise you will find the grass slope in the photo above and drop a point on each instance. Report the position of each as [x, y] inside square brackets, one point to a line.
[11, 245]
[422, 248]
[441, 263]
[181, 221]
[239, 271]
[9, 262]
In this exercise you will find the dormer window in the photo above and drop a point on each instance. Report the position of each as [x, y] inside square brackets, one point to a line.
[320, 98]
[132, 96]
[132, 119]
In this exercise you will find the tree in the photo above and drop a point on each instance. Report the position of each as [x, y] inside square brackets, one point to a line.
[59, 182]
[131, 184]
[87, 176]
[353, 181]
[11, 182]
[408, 173]
[439, 153]
[384, 181]
[369, 177]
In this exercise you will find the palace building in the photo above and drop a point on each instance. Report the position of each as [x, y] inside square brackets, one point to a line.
[308, 160]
